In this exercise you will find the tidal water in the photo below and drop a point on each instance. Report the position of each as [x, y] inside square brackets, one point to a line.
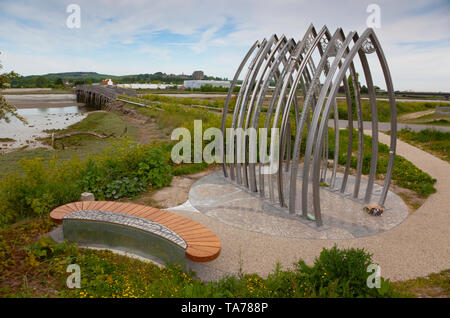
[38, 119]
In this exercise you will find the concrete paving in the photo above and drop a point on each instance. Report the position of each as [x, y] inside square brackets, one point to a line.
[343, 216]
[420, 245]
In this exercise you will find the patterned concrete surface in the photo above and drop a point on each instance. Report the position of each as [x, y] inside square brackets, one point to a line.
[343, 216]
[420, 245]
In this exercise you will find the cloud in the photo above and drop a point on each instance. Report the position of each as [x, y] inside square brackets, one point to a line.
[179, 36]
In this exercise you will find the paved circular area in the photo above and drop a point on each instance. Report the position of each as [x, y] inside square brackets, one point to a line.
[343, 217]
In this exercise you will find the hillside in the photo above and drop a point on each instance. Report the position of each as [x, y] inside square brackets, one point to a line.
[56, 80]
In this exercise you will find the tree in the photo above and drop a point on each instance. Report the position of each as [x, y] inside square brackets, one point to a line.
[59, 82]
[41, 81]
[352, 91]
[6, 110]
[364, 90]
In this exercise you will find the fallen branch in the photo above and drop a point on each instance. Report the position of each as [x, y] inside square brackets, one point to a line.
[54, 138]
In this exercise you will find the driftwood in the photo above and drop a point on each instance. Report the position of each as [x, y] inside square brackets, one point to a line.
[54, 138]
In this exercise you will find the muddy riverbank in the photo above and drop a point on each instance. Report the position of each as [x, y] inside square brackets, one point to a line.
[42, 100]
[42, 112]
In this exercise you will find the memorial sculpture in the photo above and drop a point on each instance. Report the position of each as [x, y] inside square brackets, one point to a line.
[317, 66]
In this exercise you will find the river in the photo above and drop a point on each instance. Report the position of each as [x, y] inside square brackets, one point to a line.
[42, 112]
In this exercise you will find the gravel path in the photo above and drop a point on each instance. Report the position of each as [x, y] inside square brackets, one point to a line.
[383, 126]
[417, 247]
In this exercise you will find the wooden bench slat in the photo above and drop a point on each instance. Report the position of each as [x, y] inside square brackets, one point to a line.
[202, 236]
[87, 205]
[136, 209]
[79, 205]
[164, 218]
[189, 227]
[178, 221]
[100, 205]
[211, 238]
[145, 213]
[107, 206]
[63, 209]
[204, 244]
[155, 215]
[71, 206]
[118, 207]
[183, 232]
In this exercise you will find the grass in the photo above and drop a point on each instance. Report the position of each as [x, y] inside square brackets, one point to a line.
[433, 285]
[384, 113]
[6, 140]
[214, 102]
[433, 141]
[80, 146]
[405, 174]
[430, 119]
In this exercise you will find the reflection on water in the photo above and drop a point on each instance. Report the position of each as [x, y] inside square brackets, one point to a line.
[52, 110]
[38, 120]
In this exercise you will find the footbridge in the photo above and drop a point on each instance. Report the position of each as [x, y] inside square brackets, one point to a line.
[97, 96]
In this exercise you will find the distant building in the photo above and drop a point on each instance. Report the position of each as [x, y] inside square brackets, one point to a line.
[198, 75]
[107, 81]
[145, 86]
[200, 83]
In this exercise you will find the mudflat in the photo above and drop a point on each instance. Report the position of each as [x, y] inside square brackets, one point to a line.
[42, 100]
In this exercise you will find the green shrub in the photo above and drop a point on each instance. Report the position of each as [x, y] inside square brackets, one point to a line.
[124, 170]
[338, 272]
[124, 187]
[38, 189]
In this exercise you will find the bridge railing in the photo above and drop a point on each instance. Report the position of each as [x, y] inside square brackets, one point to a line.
[110, 92]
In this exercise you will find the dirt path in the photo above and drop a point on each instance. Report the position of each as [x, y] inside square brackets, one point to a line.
[415, 115]
[148, 127]
[175, 194]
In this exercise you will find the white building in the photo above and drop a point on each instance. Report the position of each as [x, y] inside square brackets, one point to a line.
[200, 83]
[145, 86]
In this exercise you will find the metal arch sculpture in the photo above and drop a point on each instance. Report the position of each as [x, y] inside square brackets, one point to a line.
[291, 65]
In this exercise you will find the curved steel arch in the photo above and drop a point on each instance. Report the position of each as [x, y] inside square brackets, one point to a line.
[358, 48]
[291, 64]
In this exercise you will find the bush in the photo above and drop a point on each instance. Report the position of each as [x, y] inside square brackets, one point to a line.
[339, 272]
[124, 170]
[38, 189]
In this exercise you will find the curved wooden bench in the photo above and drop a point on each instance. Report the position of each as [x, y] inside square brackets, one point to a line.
[202, 244]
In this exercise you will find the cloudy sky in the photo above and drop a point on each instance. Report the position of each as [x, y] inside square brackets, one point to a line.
[129, 37]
